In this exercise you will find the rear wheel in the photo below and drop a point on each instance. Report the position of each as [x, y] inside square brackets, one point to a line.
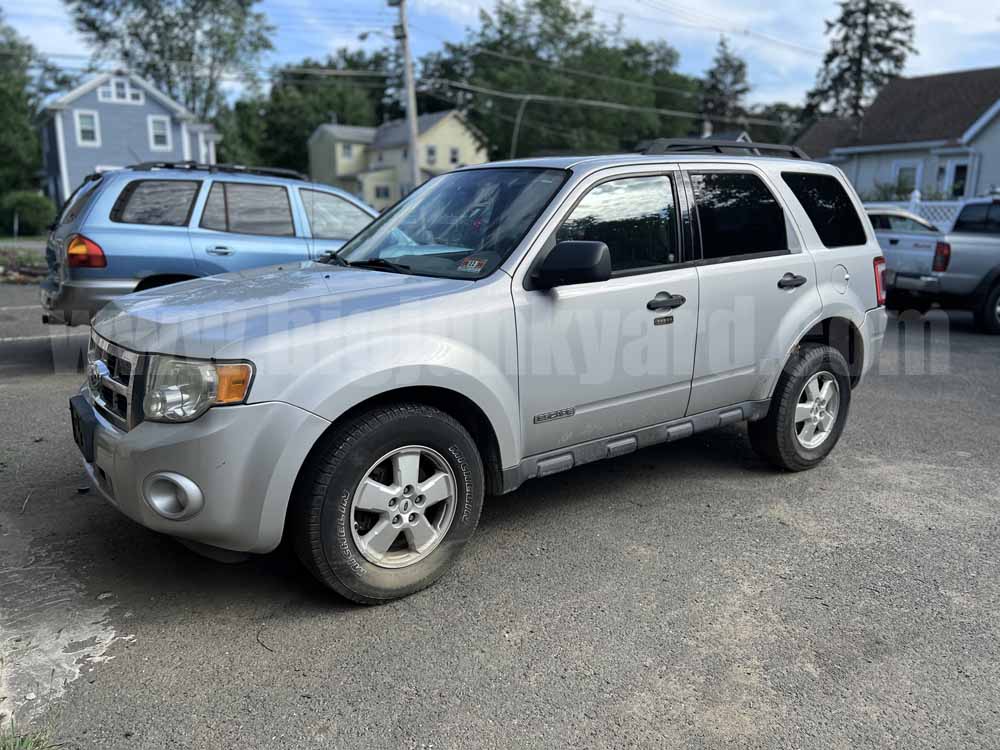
[808, 409]
[388, 504]
[988, 314]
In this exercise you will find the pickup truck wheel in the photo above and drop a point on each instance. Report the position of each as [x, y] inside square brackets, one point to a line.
[386, 506]
[988, 315]
[808, 409]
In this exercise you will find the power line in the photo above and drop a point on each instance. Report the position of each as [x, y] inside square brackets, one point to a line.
[597, 103]
[564, 69]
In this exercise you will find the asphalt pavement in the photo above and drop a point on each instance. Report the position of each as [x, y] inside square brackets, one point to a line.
[682, 596]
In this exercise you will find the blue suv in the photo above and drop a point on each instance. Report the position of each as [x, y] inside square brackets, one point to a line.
[154, 224]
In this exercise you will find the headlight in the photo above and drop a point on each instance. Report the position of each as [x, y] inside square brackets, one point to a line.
[179, 390]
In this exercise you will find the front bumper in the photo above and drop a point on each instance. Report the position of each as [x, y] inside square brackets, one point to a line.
[244, 459]
[76, 302]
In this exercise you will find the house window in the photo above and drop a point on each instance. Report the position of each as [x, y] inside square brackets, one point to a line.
[382, 192]
[960, 175]
[88, 127]
[453, 155]
[906, 176]
[120, 90]
[347, 150]
[159, 133]
[432, 154]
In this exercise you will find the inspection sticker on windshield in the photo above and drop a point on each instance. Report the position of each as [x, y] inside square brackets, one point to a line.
[471, 265]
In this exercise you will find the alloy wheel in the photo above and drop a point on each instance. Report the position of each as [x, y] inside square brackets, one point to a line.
[403, 507]
[816, 410]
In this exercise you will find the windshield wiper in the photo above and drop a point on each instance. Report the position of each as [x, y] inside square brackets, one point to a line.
[380, 263]
[331, 256]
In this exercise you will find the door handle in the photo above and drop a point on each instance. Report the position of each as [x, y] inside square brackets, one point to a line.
[218, 250]
[791, 280]
[893, 242]
[665, 301]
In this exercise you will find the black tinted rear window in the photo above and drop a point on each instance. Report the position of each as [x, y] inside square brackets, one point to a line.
[828, 207]
[248, 208]
[165, 203]
[979, 218]
[738, 215]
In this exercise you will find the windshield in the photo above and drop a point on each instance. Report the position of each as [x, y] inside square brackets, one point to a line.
[460, 225]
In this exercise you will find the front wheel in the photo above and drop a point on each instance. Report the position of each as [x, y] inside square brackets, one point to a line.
[387, 505]
[808, 409]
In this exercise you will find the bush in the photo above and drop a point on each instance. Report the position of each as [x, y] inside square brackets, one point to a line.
[34, 212]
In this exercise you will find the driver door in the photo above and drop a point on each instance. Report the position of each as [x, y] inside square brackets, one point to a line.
[594, 359]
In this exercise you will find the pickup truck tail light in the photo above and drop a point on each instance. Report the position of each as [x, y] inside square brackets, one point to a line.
[879, 265]
[942, 256]
[84, 253]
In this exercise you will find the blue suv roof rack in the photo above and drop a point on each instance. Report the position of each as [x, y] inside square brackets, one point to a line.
[290, 174]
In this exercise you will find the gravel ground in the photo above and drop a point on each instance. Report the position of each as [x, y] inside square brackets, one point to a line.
[683, 596]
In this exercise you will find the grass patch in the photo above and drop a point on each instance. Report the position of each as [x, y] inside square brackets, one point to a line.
[12, 738]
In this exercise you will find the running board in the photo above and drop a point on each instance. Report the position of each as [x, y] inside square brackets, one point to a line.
[561, 459]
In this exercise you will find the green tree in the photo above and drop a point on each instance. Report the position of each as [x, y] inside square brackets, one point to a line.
[869, 43]
[787, 116]
[557, 48]
[25, 78]
[187, 48]
[725, 86]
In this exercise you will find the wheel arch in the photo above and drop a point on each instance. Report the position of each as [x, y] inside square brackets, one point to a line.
[843, 335]
[161, 279]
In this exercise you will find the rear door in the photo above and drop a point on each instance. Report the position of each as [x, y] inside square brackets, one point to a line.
[331, 219]
[757, 285]
[243, 225]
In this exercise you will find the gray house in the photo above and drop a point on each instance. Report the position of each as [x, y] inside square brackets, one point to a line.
[113, 120]
[938, 134]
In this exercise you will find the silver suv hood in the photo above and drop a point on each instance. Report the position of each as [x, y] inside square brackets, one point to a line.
[221, 316]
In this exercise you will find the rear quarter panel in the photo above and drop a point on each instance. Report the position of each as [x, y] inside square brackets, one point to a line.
[973, 257]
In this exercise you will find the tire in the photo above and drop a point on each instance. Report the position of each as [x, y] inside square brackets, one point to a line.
[776, 438]
[329, 521]
[988, 314]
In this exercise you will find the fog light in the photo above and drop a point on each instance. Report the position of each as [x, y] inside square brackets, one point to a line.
[172, 496]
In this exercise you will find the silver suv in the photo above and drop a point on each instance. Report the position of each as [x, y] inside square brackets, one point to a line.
[503, 322]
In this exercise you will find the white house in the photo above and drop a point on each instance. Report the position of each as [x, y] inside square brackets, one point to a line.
[940, 134]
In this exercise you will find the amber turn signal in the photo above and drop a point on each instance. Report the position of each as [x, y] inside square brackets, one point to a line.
[234, 382]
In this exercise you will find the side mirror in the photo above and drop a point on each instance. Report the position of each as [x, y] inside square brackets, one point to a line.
[573, 262]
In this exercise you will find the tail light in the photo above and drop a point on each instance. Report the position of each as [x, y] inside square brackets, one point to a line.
[84, 253]
[942, 256]
[879, 265]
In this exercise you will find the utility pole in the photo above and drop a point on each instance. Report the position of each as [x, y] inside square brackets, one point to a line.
[403, 35]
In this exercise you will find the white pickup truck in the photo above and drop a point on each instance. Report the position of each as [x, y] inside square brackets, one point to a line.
[959, 269]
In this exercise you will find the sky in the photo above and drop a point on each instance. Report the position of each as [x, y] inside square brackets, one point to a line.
[782, 40]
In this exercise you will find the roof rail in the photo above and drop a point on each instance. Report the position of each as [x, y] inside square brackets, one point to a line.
[290, 174]
[699, 145]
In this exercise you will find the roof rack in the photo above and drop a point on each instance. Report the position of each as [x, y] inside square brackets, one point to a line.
[290, 174]
[699, 145]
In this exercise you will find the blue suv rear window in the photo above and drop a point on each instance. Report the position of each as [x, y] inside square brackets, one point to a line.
[165, 203]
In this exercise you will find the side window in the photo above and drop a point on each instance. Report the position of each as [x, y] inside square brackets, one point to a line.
[331, 217]
[636, 217]
[828, 207]
[906, 224]
[738, 215]
[165, 203]
[880, 222]
[979, 218]
[244, 208]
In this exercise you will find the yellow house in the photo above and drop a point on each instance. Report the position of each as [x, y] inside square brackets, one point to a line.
[372, 162]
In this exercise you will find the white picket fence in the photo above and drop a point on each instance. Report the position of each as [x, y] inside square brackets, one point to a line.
[941, 214]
